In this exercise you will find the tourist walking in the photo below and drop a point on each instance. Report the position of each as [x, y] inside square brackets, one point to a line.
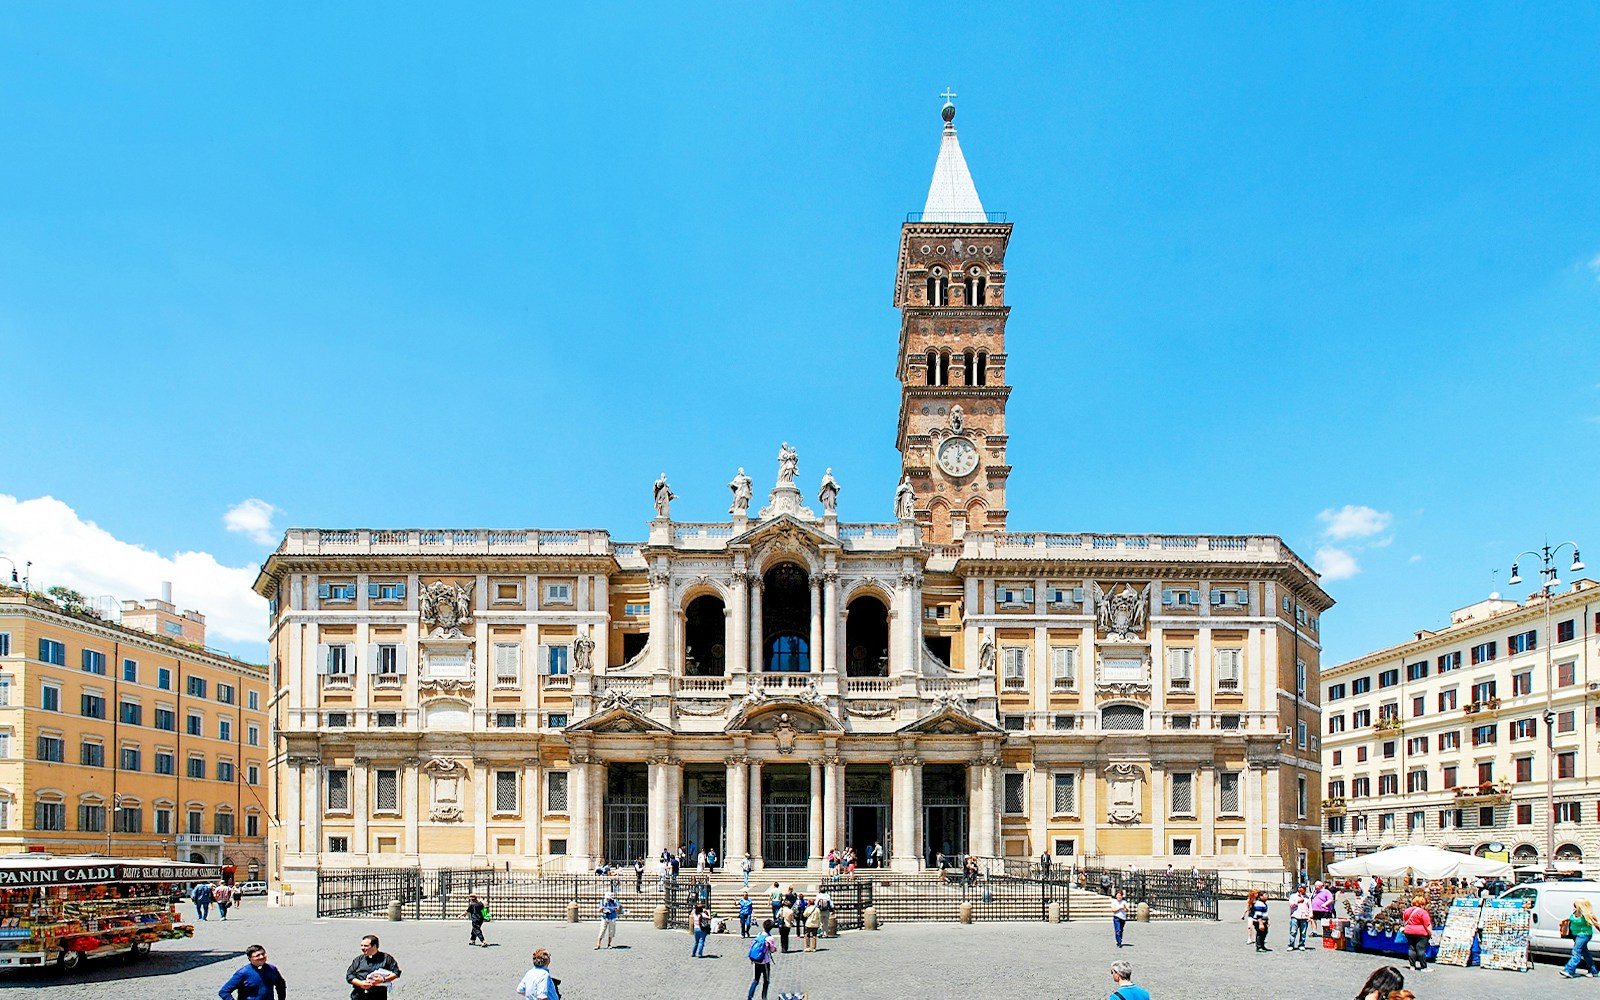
[1299, 918]
[1417, 926]
[813, 926]
[1248, 916]
[761, 961]
[1259, 919]
[785, 924]
[1385, 979]
[700, 926]
[371, 972]
[777, 900]
[222, 895]
[1581, 926]
[537, 983]
[746, 914]
[1119, 915]
[256, 981]
[1321, 906]
[1122, 980]
[746, 866]
[638, 875]
[476, 914]
[610, 910]
[202, 900]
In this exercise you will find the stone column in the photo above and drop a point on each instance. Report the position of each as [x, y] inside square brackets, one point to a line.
[412, 803]
[661, 621]
[360, 808]
[1272, 823]
[737, 809]
[1091, 811]
[655, 814]
[815, 647]
[480, 807]
[832, 625]
[756, 638]
[738, 655]
[755, 811]
[532, 809]
[311, 806]
[988, 806]
[673, 816]
[975, 827]
[1158, 810]
[578, 833]
[814, 814]
[833, 802]
[1252, 810]
[906, 843]
[1208, 811]
[292, 797]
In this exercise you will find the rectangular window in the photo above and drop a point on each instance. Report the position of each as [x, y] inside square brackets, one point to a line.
[505, 791]
[1180, 669]
[1566, 764]
[338, 845]
[1361, 718]
[1064, 668]
[253, 700]
[222, 824]
[1228, 668]
[1419, 706]
[507, 663]
[1361, 685]
[50, 698]
[224, 770]
[52, 749]
[225, 693]
[386, 790]
[1301, 735]
[1565, 631]
[1015, 665]
[91, 819]
[1417, 671]
[130, 713]
[252, 825]
[164, 762]
[130, 671]
[1360, 787]
[1015, 793]
[1417, 745]
[1567, 812]
[1524, 729]
[1361, 754]
[1566, 674]
[1485, 772]
[128, 759]
[195, 821]
[1521, 683]
[1335, 724]
[1335, 692]
[195, 724]
[1566, 722]
[336, 660]
[1180, 598]
[1524, 813]
[1484, 652]
[1300, 677]
[166, 719]
[129, 819]
[557, 720]
[1482, 692]
[197, 767]
[1448, 662]
[1484, 735]
[164, 822]
[338, 720]
[1388, 784]
[1524, 767]
[388, 720]
[5, 643]
[505, 720]
[252, 735]
[1450, 740]
[336, 591]
[1417, 781]
[94, 662]
[556, 661]
[1228, 783]
[1447, 700]
[556, 791]
[92, 706]
[51, 651]
[1389, 678]
[387, 591]
[51, 816]
[1450, 777]
[252, 774]
[164, 678]
[558, 593]
[225, 730]
[1066, 794]
[196, 686]
[338, 789]
[1182, 794]
[1522, 642]
[636, 610]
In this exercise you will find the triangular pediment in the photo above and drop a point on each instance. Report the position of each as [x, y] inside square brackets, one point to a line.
[947, 720]
[620, 720]
[785, 530]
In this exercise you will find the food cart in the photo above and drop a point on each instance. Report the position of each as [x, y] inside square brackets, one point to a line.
[58, 911]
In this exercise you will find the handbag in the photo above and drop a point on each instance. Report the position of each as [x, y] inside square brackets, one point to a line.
[1566, 928]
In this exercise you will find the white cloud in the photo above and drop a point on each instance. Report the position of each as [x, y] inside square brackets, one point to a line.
[72, 552]
[1352, 521]
[1335, 563]
[1594, 265]
[1415, 558]
[253, 519]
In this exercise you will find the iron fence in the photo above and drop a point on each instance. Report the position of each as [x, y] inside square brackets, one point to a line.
[441, 893]
[1190, 895]
[992, 896]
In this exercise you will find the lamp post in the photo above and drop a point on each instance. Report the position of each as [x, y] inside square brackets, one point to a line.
[1548, 582]
[14, 572]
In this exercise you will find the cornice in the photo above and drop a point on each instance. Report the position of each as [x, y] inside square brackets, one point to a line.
[112, 632]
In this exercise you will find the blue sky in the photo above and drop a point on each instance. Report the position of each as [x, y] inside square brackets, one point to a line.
[404, 265]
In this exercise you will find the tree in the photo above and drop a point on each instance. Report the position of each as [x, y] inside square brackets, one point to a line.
[70, 600]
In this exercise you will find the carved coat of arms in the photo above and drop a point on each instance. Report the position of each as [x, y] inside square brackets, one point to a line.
[1121, 614]
[446, 607]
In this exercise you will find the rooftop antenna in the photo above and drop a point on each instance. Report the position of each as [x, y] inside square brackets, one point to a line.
[1494, 595]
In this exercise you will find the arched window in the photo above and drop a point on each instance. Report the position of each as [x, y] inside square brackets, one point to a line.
[1569, 852]
[866, 638]
[938, 368]
[933, 367]
[938, 288]
[977, 289]
[1525, 854]
[982, 370]
[786, 618]
[704, 628]
[969, 372]
[1114, 717]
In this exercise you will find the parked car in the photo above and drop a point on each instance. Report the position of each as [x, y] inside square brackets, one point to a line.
[252, 888]
[1552, 903]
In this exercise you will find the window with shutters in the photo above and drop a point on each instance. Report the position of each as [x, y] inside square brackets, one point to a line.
[94, 662]
[555, 661]
[222, 823]
[1565, 631]
[1016, 799]
[50, 816]
[1064, 668]
[1182, 794]
[1566, 674]
[1015, 662]
[91, 754]
[386, 664]
[1522, 642]
[1484, 652]
[1389, 678]
[386, 592]
[505, 791]
[1180, 598]
[53, 652]
[91, 818]
[1388, 784]
[1065, 799]
[129, 759]
[335, 662]
[337, 593]
[507, 664]
[1449, 662]
[197, 767]
[1061, 597]
[1228, 793]
[1014, 596]
[338, 790]
[1180, 669]
[1229, 597]
[252, 774]
[386, 790]
[1228, 668]
[129, 819]
[556, 791]
[166, 763]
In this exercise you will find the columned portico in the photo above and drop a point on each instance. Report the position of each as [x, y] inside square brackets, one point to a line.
[578, 808]
[832, 802]
[754, 826]
[906, 839]
[815, 847]
[755, 639]
[738, 808]
[833, 623]
[738, 658]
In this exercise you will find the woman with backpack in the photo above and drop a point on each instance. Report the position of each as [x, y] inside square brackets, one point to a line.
[700, 926]
[761, 961]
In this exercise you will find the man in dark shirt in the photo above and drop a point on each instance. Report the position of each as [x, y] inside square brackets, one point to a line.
[372, 971]
[256, 981]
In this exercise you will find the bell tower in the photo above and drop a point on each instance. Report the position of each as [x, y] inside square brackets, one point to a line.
[950, 290]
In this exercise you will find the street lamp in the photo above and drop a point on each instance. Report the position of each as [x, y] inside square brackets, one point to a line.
[1548, 582]
[14, 572]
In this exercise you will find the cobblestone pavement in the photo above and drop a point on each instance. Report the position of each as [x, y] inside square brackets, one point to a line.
[1196, 961]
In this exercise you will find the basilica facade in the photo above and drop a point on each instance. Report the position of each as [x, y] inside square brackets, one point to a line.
[785, 682]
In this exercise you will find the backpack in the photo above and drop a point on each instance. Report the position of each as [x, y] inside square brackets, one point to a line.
[758, 950]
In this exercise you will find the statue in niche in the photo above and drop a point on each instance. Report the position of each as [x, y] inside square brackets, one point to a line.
[905, 500]
[1120, 614]
[986, 656]
[664, 497]
[741, 493]
[446, 607]
[788, 465]
[583, 655]
[828, 496]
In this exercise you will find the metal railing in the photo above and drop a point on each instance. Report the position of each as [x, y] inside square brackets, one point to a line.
[441, 893]
[1186, 895]
[994, 897]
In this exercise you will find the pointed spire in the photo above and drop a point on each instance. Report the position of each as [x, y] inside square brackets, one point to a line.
[952, 197]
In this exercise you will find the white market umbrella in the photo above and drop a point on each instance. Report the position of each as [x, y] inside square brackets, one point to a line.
[1419, 861]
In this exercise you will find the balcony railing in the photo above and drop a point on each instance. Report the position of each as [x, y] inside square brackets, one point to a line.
[1487, 793]
[1480, 707]
[958, 217]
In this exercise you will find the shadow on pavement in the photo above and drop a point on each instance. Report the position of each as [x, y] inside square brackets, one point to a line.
[119, 969]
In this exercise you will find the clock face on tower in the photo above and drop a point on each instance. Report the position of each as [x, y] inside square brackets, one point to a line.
[958, 457]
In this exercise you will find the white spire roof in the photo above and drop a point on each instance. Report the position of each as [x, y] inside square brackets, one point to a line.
[952, 197]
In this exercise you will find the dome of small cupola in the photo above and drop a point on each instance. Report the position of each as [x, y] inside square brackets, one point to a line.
[948, 113]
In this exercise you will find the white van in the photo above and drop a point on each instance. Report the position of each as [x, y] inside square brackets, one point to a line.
[1552, 903]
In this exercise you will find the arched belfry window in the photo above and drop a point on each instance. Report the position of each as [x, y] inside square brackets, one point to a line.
[977, 289]
[938, 288]
[980, 374]
[938, 368]
[786, 619]
[933, 367]
[967, 367]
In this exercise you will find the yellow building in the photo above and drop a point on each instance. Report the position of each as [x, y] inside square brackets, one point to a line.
[120, 741]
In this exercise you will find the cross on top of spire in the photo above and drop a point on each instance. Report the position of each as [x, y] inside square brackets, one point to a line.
[949, 96]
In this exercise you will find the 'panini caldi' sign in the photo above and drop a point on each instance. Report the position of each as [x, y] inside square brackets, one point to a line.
[93, 874]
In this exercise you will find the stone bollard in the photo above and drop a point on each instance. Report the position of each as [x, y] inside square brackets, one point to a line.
[1055, 912]
[830, 925]
[869, 918]
[572, 912]
[1141, 913]
[394, 910]
[661, 918]
[966, 912]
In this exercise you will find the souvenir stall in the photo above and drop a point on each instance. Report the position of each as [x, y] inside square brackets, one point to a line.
[1413, 869]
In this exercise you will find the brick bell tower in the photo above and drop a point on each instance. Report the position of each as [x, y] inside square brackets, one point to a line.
[950, 290]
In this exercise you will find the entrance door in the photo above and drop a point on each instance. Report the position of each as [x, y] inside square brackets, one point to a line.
[944, 814]
[866, 819]
[627, 813]
[705, 796]
[785, 817]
